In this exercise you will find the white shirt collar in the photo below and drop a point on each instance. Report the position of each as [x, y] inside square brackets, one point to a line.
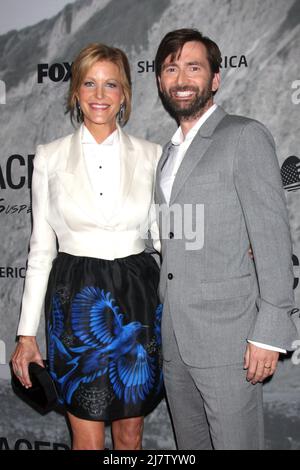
[87, 138]
[178, 137]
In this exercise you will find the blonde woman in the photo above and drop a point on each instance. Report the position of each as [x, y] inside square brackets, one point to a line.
[92, 192]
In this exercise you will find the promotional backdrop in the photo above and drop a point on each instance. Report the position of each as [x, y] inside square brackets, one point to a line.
[260, 43]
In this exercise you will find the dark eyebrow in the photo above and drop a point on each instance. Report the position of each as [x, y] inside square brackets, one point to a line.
[194, 62]
[172, 64]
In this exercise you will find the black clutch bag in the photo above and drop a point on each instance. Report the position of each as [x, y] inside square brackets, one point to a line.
[42, 396]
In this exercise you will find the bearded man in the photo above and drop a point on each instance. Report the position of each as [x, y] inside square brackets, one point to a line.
[226, 315]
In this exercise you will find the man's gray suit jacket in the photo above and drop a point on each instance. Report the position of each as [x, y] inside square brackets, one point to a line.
[216, 297]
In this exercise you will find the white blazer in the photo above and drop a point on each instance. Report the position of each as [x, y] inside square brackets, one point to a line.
[67, 216]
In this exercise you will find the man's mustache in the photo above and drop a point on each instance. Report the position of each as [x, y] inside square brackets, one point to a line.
[175, 89]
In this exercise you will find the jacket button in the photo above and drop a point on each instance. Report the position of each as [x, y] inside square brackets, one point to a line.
[170, 276]
[171, 235]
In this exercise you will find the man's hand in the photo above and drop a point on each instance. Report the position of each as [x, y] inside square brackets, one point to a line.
[261, 363]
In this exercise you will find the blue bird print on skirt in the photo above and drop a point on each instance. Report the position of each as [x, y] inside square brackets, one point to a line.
[108, 345]
[157, 332]
[56, 349]
[103, 321]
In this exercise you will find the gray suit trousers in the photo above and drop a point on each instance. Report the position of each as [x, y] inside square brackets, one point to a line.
[212, 408]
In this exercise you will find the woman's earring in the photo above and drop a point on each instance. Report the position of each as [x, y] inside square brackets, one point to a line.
[79, 112]
[121, 114]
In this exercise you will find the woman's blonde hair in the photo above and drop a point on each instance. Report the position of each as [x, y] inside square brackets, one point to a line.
[86, 58]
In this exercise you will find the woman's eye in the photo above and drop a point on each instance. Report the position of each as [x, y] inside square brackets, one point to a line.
[88, 84]
[111, 85]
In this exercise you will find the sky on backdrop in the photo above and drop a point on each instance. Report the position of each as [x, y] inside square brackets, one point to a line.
[17, 14]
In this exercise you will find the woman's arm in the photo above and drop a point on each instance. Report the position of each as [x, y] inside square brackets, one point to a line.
[42, 251]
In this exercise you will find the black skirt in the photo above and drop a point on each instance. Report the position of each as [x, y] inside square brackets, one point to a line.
[103, 332]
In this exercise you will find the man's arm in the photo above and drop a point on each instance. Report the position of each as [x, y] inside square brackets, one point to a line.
[259, 188]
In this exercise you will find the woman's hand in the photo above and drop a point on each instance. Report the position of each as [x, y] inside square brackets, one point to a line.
[26, 351]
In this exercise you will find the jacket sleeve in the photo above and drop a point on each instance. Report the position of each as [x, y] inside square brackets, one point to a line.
[259, 188]
[42, 251]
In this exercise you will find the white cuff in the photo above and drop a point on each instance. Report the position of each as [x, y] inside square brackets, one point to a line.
[267, 346]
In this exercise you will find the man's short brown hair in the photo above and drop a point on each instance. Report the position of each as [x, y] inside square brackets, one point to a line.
[174, 41]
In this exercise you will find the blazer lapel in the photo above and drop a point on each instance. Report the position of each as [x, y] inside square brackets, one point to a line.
[196, 150]
[128, 160]
[76, 180]
[77, 184]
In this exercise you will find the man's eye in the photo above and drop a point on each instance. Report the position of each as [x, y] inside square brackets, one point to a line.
[194, 68]
[170, 69]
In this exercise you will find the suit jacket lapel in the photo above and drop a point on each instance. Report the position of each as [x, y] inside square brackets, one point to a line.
[196, 150]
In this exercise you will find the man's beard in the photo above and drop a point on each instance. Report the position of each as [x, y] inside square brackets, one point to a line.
[193, 109]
